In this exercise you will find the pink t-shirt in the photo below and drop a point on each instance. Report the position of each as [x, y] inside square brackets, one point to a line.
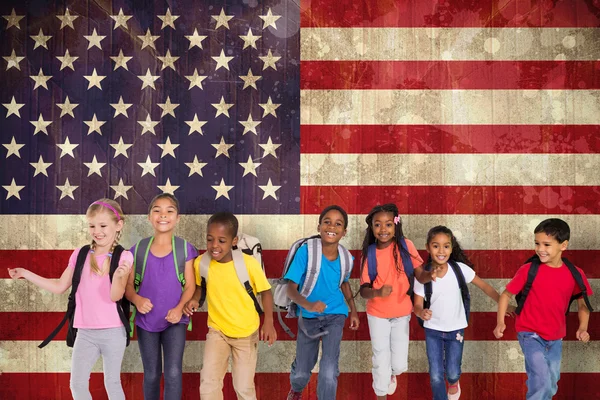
[94, 308]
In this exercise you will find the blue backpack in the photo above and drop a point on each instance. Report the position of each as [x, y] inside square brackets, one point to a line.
[409, 269]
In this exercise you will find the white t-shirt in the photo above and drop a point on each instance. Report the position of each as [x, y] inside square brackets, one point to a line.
[447, 309]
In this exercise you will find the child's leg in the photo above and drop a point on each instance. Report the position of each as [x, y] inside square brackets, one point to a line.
[151, 352]
[85, 355]
[214, 365]
[453, 351]
[554, 356]
[399, 336]
[172, 340]
[112, 348]
[540, 380]
[380, 330]
[245, 354]
[329, 365]
[434, 342]
[307, 352]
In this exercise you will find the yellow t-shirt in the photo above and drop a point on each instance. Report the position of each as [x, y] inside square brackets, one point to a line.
[230, 309]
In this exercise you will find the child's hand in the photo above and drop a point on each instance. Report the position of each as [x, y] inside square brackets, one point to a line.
[144, 305]
[123, 270]
[174, 315]
[434, 272]
[510, 311]
[582, 335]
[268, 333]
[191, 307]
[17, 273]
[354, 321]
[317, 307]
[425, 314]
[499, 330]
[384, 291]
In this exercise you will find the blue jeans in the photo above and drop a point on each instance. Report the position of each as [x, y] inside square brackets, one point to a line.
[172, 341]
[542, 363]
[444, 352]
[307, 351]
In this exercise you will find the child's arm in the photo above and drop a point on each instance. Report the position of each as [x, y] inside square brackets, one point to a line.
[267, 331]
[502, 308]
[584, 318]
[491, 293]
[192, 306]
[119, 282]
[143, 305]
[292, 292]
[424, 314]
[347, 291]
[174, 314]
[56, 286]
[369, 293]
[425, 276]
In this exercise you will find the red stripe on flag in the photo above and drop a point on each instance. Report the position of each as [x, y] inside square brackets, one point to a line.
[455, 199]
[496, 264]
[351, 386]
[469, 139]
[408, 75]
[20, 326]
[452, 14]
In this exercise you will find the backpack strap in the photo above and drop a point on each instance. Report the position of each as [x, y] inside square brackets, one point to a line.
[179, 246]
[123, 305]
[140, 257]
[579, 280]
[464, 289]
[313, 268]
[81, 257]
[522, 296]
[407, 264]
[372, 263]
[346, 263]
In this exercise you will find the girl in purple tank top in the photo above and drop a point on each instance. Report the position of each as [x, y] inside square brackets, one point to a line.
[159, 300]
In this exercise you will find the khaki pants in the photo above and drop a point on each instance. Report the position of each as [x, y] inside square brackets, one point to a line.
[217, 350]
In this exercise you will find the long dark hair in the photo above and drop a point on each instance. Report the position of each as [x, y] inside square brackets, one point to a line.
[370, 236]
[457, 254]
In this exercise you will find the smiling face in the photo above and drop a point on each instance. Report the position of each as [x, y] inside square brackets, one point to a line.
[219, 242]
[103, 228]
[331, 228]
[384, 228]
[549, 250]
[163, 215]
[440, 249]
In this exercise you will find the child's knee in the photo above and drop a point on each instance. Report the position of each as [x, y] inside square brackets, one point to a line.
[328, 372]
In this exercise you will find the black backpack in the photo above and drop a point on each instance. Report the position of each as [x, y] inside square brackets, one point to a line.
[462, 284]
[123, 305]
[533, 270]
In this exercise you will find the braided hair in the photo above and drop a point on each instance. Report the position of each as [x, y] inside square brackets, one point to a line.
[457, 254]
[398, 234]
[92, 210]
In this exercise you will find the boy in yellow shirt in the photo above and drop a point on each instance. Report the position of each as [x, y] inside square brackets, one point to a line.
[233, 319]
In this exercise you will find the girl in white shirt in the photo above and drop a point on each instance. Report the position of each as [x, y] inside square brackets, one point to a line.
[446, 317]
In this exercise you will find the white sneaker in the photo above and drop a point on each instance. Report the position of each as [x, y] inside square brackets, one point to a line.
[392, 386]
[456, 395]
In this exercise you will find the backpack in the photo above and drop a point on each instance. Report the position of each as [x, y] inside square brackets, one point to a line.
[462, 284]
[315, 254]
[246, 245]
[123, 305]
[533, 269]
[409, 269]
[140, 257]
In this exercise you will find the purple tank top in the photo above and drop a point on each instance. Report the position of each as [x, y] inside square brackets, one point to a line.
[161, 286]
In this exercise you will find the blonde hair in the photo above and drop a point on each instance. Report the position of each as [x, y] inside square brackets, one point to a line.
[114, 210]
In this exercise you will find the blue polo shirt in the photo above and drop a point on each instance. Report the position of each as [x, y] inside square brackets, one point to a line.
[326, 289]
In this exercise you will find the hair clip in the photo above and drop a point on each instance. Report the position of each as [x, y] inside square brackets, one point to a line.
[92, 251]
[397, 219]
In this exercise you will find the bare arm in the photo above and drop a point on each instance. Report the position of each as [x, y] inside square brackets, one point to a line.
[267, 303]
[119, 281]
[296, 297]
[502, 307]
[347, 291]
[190, 284]
[425, 276]
[57, 286]
[486, 288]
[369, 293]
[584, 318]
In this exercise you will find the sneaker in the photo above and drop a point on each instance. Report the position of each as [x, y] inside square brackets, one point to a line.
[392, 386]
[456, 395]
[294, 395]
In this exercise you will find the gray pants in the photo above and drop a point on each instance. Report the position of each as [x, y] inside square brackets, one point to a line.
[89, 345]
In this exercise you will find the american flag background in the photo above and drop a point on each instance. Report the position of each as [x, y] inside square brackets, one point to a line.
[480, 115]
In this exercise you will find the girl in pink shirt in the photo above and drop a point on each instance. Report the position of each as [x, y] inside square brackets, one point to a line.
[98, 322]
[389, 304]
